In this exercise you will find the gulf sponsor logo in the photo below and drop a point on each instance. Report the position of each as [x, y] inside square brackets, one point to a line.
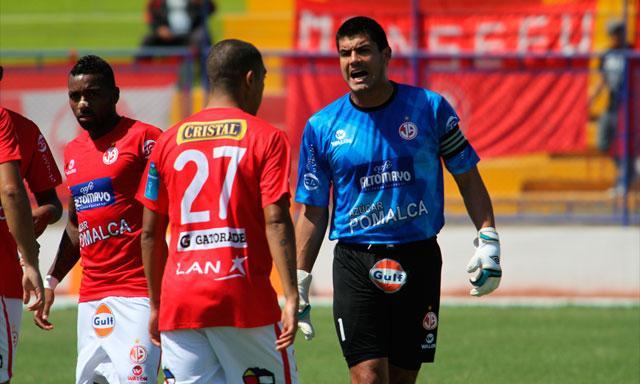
[103, 321]
[147, 148]
[388, 275]
[93, 194]
[42, 144]
[233, 129]
[389, 173]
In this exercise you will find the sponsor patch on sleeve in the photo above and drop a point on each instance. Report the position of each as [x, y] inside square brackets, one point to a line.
[151, 189]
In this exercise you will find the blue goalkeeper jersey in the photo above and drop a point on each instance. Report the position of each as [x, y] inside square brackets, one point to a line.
[383, 164]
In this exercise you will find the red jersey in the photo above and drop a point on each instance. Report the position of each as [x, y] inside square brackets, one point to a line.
[213, 174]
[103, 176]
[39, 170]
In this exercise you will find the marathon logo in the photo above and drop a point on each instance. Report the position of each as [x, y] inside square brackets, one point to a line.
[212, 238]
[385, 174]
[94, 194]
[211, 130]
[388, 275]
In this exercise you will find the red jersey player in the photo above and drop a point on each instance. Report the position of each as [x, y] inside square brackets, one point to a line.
[34, 162]
[220, 181]
[103, 166]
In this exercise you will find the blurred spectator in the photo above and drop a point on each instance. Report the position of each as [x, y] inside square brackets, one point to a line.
[178, 23]
[612, 68]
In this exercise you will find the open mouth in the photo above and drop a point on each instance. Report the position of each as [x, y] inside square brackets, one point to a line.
[359, 74]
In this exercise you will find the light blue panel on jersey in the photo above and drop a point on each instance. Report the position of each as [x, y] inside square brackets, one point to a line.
[384, 165]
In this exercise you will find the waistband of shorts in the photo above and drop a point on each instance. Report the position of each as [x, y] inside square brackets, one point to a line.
[388, 247]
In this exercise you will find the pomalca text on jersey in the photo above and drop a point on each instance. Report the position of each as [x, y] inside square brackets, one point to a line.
[385, 165]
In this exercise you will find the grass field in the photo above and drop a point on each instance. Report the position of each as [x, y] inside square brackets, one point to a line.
[566, 345]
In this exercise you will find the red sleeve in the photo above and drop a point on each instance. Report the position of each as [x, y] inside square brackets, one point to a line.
[152, 191]
[150, 138]
[43, 173]
[9, 150]
[274, 180]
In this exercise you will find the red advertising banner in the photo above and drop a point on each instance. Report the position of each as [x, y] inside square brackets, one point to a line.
[520, 104]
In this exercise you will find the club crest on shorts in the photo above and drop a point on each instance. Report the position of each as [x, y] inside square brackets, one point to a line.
[388, 275]
[430, 321]
[257, 375]
[103, 321]
[138, 354]
[110, 155]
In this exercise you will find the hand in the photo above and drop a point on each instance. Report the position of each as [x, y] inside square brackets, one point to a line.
[32, 282]
[289, 325]
[41, 317]
[487, 260]
[304, 309]
[154, 334]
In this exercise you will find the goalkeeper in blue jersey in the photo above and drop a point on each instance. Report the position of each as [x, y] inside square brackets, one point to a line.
[380, 148]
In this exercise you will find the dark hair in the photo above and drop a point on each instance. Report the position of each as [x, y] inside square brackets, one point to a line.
[362, 25]
[94, 65]
[229, 61]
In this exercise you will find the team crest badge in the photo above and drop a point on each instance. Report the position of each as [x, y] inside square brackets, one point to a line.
[408, 130]
[110, 155]
[138, 354]
[103, 321]
[388, 275]
[430, 321]
[257, 375]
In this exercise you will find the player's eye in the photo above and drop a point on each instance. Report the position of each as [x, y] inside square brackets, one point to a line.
[74, 96]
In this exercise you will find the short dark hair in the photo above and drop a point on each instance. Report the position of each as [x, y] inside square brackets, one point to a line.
[94, 65]
[362, 25]
[229, 61]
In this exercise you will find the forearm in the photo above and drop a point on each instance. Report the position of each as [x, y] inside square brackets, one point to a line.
[310, 229]
[280, 236]
[476, 199]
[68, 253]
[154, 253]
[17, 211]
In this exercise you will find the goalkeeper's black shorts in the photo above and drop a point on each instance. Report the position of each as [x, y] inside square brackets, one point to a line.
[386, 301]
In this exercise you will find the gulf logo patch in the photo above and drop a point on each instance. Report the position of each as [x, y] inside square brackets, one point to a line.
[103, 321]
[388, 275]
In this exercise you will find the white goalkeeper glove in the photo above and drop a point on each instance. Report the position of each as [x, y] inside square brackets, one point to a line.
[487, 261]
[304, 309]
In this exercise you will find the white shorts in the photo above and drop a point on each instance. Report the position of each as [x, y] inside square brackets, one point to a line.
[10, 318]
[231, 355]
[113, 342]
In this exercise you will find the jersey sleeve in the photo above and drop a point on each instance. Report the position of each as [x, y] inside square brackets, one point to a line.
[149, 139]
[152, 191]
[458, 155]
[313, 172]
[43, 173]
[274, 178]
[9, 149]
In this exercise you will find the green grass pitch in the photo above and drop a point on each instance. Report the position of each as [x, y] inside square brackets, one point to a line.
[565, 345]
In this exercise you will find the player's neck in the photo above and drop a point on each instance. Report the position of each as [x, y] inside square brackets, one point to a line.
[222, 100]
[101, 130]
[375, 97]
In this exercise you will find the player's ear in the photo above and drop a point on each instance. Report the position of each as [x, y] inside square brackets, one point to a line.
[250, 78]
[386, 55]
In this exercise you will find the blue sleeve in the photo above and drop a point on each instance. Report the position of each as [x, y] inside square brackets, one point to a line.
[314, 182]
[458, 155]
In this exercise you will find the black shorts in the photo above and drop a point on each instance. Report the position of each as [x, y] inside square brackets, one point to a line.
[386, 302]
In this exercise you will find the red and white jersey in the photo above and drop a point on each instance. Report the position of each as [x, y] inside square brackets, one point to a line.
[39, 170]
[103, 176]
[8, 141]
[213, 174]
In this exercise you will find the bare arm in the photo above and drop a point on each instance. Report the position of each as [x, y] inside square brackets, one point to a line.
[476, 198]
[310, 229]
[154, 258]
[69, 248]
[18, 211]
[18, 214]
[49, 210]
[282, 245]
